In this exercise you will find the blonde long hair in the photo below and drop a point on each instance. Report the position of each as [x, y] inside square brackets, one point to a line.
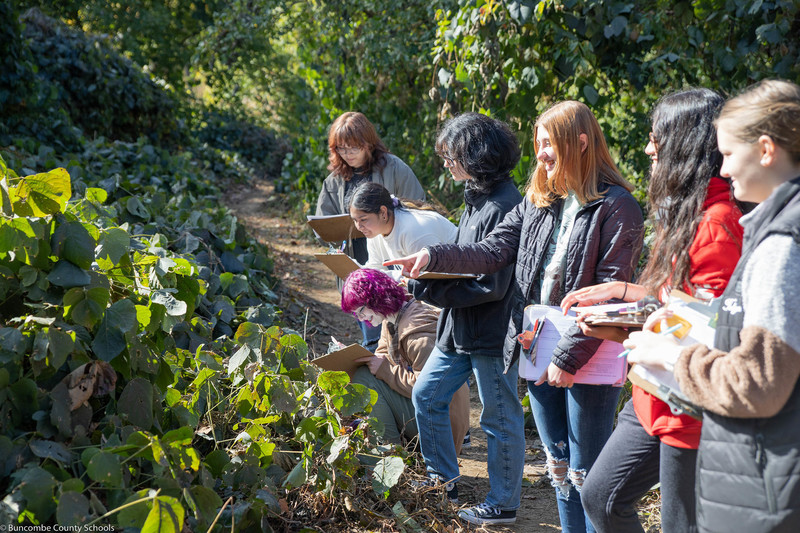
[578, 170]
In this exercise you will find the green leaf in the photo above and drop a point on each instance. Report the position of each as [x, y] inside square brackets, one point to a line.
[109, 341]
[178, 437]
[37, 486]
[338, 446]
[73, 509]
[208, 502]
[122, 314]
[67, 275]
[71, 241]
[61, 345]
[137, 208]
[95, 194]
[591, 94]
[216, 461]
[356, 400]
[166, 516]
[135, 515]
[297, 477]
[616, 27]
[85, 307]
[136, 402]
[40, 195]
[143, 315]
[333, 382]
[50, 450]
[173, 306]
[113, 244]
[387, 473]
[105, 468]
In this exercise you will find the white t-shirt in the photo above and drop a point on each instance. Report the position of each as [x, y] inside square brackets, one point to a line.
[413, 230]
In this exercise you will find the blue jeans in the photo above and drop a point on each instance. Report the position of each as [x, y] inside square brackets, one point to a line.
[573, 424]
[501, 420]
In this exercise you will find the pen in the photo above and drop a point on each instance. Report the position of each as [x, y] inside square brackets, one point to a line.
[667, 331]
[537, 330]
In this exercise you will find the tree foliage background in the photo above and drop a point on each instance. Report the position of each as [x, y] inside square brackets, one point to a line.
[119, 122]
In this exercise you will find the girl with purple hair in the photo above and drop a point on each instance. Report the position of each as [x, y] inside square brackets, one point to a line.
[407, 338]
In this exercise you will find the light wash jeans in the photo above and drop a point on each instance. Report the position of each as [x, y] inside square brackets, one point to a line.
[573, 424]
[501, 420]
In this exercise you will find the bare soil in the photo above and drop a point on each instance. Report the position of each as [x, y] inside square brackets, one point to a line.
[310, 300]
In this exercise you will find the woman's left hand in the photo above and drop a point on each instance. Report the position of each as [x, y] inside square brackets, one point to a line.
[373, 362]
[652, 349]
[556, 377]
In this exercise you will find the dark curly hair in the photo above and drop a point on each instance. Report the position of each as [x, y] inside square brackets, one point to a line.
[686, 144]
[486, 148]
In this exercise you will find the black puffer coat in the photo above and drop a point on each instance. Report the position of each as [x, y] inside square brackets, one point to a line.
[604, 245]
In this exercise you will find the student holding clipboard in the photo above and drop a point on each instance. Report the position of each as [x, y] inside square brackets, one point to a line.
[748, 465]
[697, 243]
[357, 155]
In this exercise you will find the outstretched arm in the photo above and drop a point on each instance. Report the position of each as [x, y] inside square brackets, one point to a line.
[412, 264]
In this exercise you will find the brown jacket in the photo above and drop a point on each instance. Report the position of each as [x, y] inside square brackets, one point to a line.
[405, 353]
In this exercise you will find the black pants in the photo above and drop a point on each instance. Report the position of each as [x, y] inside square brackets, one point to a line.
[631, 463]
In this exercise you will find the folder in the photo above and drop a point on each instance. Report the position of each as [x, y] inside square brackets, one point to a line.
[343, 359]
[334, 228]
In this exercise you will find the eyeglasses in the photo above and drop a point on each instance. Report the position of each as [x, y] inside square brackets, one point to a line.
[342, 150]
[359, 313]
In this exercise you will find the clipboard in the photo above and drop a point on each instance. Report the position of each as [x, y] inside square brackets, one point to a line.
[665, 388]
[334, 228]
[343, 359]
[445, 275]
[698, 320]
[339, 263]
[604, 368]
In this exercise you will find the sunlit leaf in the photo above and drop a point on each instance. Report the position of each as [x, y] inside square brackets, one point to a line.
[387, 473]
[42, 194]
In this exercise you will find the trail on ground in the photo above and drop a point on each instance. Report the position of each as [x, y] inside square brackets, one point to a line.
[310, 300]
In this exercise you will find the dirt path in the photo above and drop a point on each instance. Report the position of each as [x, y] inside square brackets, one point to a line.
[310, 299]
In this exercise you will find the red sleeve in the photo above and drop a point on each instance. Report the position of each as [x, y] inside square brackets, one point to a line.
[716, 248]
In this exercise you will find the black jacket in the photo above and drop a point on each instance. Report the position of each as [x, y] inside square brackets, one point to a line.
[604, 245]
[474, 312]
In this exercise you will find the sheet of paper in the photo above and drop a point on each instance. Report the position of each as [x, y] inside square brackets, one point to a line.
[604, 368]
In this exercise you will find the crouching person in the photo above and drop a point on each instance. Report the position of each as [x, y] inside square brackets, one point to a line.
[407, 338]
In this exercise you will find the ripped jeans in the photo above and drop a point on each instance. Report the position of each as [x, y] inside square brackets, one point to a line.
[573, 425]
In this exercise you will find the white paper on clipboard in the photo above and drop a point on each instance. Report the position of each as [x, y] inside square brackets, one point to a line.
[604, 368]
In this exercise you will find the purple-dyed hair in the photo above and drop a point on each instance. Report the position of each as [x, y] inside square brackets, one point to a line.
[367, 287]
